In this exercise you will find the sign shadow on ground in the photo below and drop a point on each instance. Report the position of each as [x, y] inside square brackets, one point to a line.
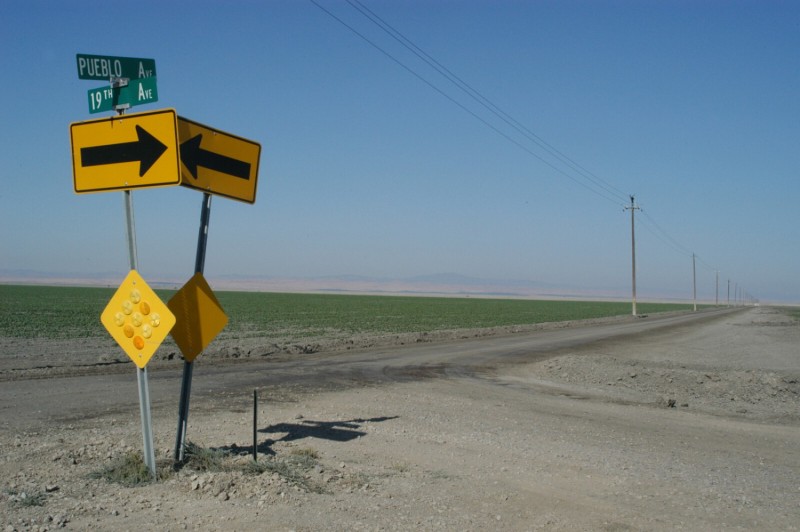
[340, 431]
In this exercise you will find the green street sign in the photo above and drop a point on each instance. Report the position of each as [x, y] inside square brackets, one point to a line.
[106, 67]
[136, 92]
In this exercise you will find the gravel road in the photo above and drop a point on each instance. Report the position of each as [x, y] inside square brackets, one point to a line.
[678, 422]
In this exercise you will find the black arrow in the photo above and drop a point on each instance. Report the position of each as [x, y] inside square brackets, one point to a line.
[146, 150]
[192, 155]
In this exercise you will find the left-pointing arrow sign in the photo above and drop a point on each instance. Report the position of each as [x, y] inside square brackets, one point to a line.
[218, 162]
[125, 152]
[193, 156]
[146, 150]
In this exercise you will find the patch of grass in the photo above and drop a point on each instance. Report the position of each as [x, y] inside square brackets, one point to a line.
[293, 467]
[24, 499]
[305, 457]
[356, 480]
[401, 468]
[205, 459]
[441, 474]
[129, 470]
[281, 466]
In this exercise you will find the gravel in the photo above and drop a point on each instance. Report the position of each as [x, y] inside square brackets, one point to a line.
[694, 427]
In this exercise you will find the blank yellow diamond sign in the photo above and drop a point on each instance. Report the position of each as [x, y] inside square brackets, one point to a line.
[199, 315]
[137, 319]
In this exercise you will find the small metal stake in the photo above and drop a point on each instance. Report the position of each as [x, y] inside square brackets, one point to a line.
[255, 425]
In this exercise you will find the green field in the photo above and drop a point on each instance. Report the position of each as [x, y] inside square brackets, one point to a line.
[70, 312]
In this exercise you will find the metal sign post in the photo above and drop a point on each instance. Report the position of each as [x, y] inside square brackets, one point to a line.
[188, 365]
[95, 146]
[141, 373]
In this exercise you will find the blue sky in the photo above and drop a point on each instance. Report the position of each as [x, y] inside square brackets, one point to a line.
[367, 170]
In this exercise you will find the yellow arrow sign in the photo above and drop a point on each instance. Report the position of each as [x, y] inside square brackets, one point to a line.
[217, 162]
[126, 152]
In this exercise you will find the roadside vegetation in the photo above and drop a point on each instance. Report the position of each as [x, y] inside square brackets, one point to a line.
[129, 469]
[72, 312]
[794, 312]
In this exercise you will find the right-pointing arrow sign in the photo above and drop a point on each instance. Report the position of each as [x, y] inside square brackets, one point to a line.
[217, 162]
[126, 152]
[146, 150]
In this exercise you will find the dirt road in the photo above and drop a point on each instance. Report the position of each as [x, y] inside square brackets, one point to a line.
[652, 424]
[29, 397]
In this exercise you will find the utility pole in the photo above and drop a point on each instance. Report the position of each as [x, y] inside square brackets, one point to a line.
[694, 283]
[716, 297]
[729, 292]
[632, 208]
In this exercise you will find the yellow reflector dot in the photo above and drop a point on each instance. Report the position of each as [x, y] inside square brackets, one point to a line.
[144, 306]
[147, 331]
[128, 330]
[119, 319]
[138, 342]
[155, 319]
[127, 307]
[136, 318]
[136, 296]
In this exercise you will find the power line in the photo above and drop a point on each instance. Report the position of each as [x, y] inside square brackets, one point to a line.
[586, 179]
[662, 235]
[597, 190]
[665, 237]
[483, 100]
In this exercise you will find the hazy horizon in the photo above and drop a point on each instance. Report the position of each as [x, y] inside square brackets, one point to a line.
[440, 284]
[497, 140]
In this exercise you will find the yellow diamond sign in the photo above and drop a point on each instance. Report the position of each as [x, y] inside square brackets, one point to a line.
[137, 319]
[199, 316]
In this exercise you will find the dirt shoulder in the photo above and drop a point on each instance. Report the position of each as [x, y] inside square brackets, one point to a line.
[584, 439]
[36, 358]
